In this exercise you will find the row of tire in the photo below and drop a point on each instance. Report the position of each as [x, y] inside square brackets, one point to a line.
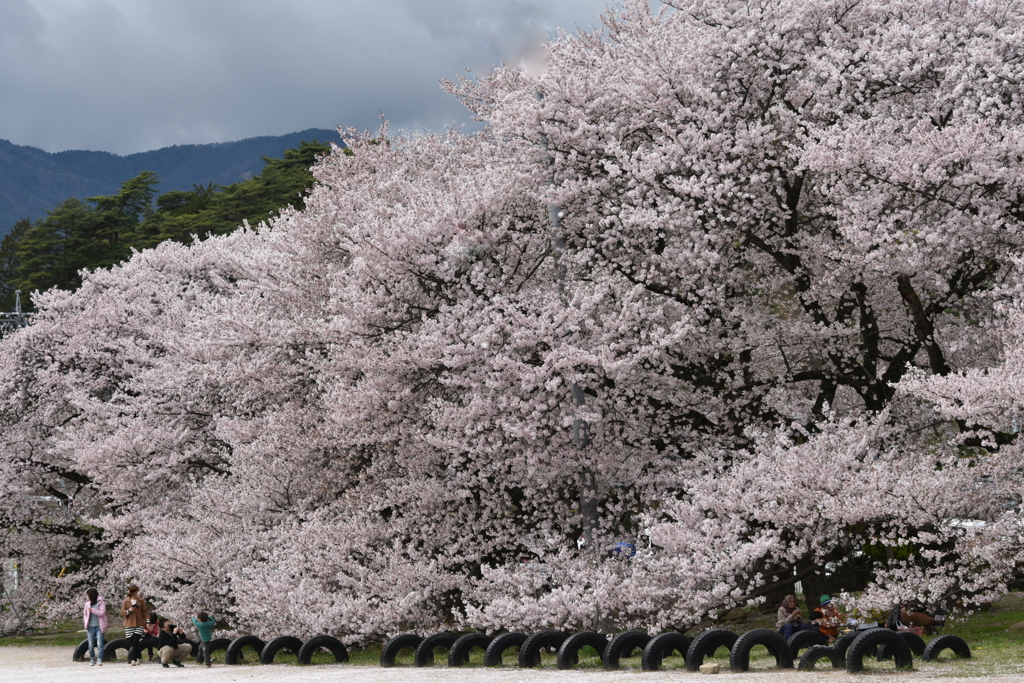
[234, 649]
[848, 652]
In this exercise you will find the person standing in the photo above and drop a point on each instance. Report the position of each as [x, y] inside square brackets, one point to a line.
[95, 618]
[204, 624]
[135, 613]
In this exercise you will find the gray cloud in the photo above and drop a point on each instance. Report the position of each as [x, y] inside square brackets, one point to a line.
[130, 75]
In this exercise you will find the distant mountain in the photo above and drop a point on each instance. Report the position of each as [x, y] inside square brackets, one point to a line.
[32, 181]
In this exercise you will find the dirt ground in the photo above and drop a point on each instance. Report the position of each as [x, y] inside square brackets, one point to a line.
[54, 665]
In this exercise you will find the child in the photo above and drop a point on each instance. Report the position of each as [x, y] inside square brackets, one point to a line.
[204, 624]
[152, 631]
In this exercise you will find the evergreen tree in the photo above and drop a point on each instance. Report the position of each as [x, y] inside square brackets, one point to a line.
[218, 210]
[9, 263]
[103, 230]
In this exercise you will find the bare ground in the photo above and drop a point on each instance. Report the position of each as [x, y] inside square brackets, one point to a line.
[54, 665]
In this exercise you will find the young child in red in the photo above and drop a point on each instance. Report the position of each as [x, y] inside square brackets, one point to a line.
[152, 631]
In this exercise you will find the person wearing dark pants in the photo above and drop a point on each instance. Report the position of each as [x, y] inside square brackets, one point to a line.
[204, 624]
[135, 613]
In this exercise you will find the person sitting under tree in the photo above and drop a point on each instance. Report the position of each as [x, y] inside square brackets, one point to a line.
[790, 618]
[831, 618]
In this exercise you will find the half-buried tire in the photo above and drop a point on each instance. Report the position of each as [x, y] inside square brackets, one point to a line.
[194, 652]
[622, 645]
[661, 646]
[804, 639]
[705, 645]
[233, 655]
[816, 653]
[80, 651]
[914, 642]
[957, 645]
[459, 654]
[568, 653]
[286, 643]
[877, 637]
[215, 645]
[529, 651]
[396, 644]
[425, 650]
[496, 650]
[329, 643]
[842, 644]
[111, 648]
[739, 655]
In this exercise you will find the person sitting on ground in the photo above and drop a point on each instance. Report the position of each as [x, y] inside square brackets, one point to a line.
[790, 619]
[915, 616]
[204, 624]
[831, 618]
[171, 649]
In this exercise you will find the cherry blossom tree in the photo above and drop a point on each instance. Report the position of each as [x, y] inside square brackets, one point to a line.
[786, 239]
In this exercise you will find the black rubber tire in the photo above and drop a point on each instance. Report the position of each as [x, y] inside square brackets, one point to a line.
[496, 650]
[705, 644]
[232, 654]
[81, 650]
[802, 639]
[529, 651]
[316, 642]
[939, 643]
[622, 645]
[568, 652]
[816, 653]
[914, 641]
[391, 648]
[661, 646]
[739, 655]
[425, 650]
[842, 644]
[111, 648]
[878, 636]
[218, 644]
[270, 650]
[149, 641]
[459, 652]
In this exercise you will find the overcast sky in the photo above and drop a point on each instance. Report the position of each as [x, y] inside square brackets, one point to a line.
[126, 76]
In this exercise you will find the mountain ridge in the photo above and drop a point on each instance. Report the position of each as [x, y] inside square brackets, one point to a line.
[33, 180]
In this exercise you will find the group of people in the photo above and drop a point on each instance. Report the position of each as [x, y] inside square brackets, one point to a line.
[826, 619]
[140, 622]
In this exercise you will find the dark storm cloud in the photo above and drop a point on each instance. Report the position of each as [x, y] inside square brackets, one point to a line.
[130, 75]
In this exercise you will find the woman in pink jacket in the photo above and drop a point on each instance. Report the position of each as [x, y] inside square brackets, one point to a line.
[95, 618]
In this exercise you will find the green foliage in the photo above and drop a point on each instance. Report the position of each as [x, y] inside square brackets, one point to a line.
[103, 230]
[9, 263]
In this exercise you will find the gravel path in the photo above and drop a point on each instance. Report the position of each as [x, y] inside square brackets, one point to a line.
[53, 665]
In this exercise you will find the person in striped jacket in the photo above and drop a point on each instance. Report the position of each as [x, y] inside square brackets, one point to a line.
[135, 613]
